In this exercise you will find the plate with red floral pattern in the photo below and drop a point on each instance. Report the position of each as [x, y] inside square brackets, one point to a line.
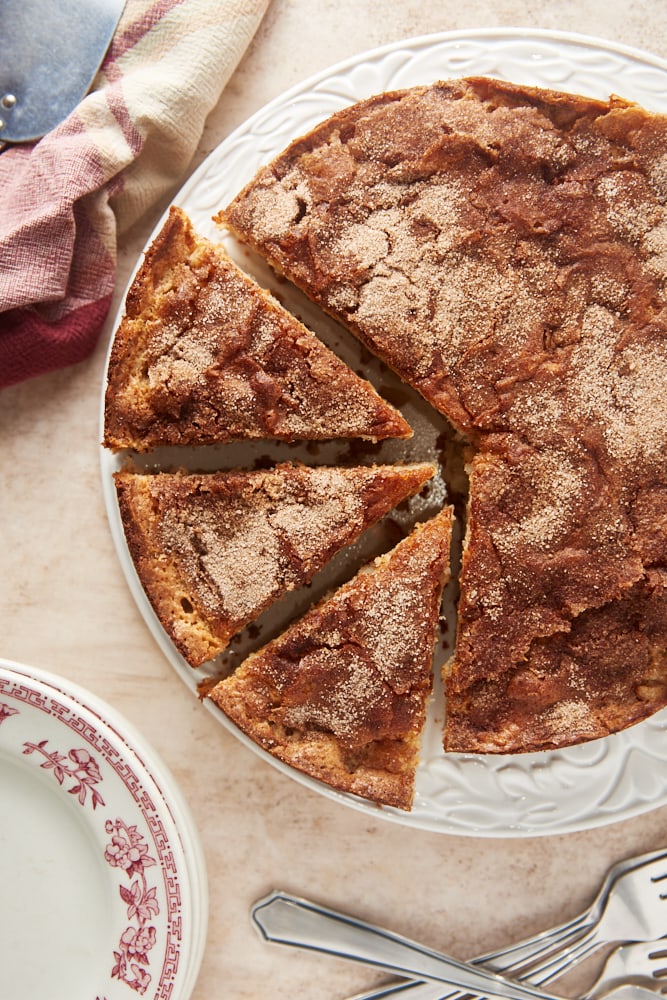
[103, 892]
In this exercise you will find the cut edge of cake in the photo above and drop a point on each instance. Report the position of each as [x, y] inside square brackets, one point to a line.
[156, 510]
[341, 695]
[203, 354]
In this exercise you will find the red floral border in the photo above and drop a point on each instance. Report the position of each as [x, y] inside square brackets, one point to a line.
[127, 848]
[82, 769]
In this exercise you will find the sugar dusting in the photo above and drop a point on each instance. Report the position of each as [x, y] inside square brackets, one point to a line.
[514, 271]
[354, 690]
[222, 359]
[240, 549]
[368, 648]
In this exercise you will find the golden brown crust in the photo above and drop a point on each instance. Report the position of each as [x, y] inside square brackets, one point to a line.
[341, 695]
[168, 592]
[605, 673]
[471, 234]
[504, 249]
[203, 355]
[212, 551]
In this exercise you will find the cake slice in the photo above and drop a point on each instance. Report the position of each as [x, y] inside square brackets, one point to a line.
[562, 616]
[212, 551]
[606, 673]
[204, 355]
[502, 248]
[341, 695]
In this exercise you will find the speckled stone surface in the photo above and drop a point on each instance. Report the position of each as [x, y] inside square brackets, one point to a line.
[65, 607]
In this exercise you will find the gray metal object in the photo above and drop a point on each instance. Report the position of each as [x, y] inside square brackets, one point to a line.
[51, 51]
[643, 963]
[290, 920]
[631, 905]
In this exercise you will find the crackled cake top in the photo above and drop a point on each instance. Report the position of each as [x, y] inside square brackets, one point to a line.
[341, 694]
[214, 550]
[488, 241]
[504, 249]
[204, 355]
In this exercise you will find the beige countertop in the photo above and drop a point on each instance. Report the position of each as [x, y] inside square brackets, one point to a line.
[65, 607]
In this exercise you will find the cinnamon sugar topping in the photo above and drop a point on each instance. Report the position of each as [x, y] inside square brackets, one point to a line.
[213, 551]
[341, 694]
[204, 355]
[504, 249]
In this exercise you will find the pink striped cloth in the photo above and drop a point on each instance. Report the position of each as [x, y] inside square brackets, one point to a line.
[65, 199]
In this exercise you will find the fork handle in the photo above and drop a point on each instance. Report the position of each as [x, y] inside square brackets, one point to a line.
[520, 959]
[290, 920]
[573, 932]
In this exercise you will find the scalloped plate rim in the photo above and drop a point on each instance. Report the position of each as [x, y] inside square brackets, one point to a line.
[422, 816]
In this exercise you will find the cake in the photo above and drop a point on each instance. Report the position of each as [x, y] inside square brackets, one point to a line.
[504, 250]
[341, 694]
[204, 355]
[214, 550]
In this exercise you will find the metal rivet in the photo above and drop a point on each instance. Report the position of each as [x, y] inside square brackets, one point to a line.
[8, 101]
[2, 124]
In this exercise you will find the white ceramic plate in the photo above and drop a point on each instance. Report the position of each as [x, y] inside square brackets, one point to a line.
[102, 879]
[543, 793]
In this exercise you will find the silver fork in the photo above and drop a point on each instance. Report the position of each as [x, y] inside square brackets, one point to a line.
[629, 906]
[626, 991]
[290, 920]
[643, 963]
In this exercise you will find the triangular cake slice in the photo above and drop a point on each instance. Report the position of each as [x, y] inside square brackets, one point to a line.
[214, 550]
[204, 355]
[341, 695]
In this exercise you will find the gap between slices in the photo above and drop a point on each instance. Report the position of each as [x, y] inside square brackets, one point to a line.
[341, 694]
[214, 550]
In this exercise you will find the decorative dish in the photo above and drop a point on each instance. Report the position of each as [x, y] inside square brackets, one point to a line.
[100, 857]
[529, 794]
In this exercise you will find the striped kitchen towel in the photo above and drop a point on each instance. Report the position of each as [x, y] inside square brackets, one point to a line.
[65, 199]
